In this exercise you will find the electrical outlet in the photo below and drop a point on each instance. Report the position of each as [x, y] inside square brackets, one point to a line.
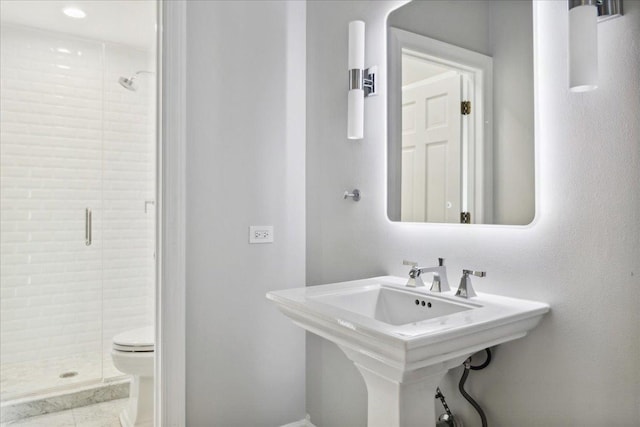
[261, 234]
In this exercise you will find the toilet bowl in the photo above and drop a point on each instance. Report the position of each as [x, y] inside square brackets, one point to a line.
[132, 354]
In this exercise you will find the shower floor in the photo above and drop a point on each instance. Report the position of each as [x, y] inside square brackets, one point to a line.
[32, 378]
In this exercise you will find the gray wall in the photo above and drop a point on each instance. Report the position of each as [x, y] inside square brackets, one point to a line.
[245, 163]
[581, 254]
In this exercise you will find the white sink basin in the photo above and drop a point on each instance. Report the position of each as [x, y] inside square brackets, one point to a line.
[389, 304]
[403, 340]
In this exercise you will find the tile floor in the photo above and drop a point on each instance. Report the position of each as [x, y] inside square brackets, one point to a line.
[103, 414]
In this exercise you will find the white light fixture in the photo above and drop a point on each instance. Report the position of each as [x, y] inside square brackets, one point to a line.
[361, 81]
[74, 12]
[583, 48]
[584, 16]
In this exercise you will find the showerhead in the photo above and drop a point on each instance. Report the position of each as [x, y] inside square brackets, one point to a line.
[127, 82]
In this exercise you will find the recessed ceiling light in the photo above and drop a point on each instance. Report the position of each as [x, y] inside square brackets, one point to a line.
[74, 12]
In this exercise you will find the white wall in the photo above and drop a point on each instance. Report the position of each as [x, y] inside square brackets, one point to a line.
[72, 137]
[245, 162]
[582, 254]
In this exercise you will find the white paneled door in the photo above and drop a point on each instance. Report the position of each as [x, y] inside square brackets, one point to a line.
[431, 150]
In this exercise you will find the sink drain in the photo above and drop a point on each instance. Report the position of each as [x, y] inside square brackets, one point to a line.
[69, 374]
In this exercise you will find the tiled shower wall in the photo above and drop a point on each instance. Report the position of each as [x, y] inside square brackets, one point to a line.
[72, 138]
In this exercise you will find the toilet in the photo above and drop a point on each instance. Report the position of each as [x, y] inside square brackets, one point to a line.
[132, 354]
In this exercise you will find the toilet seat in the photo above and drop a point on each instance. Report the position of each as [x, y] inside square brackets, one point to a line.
[135, 341]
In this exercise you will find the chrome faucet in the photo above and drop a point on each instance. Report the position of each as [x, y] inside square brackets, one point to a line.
[465, 290]
[439, 283]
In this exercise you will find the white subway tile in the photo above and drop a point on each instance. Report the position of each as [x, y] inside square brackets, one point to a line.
[53, 148]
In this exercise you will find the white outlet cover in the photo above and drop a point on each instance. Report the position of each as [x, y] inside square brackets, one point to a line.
[261, 234]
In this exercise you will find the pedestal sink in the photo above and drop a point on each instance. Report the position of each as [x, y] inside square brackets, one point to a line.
[404, 340]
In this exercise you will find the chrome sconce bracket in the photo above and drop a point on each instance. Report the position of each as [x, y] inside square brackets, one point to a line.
[363, 79]
[607, 9]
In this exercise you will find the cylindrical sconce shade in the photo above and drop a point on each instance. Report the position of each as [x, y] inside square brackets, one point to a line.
[356, 45]
[583, 48]
[355, 104]
[355, 115]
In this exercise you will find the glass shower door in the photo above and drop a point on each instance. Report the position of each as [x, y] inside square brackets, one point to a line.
[77, 203]
[128, 195]
[50, 211]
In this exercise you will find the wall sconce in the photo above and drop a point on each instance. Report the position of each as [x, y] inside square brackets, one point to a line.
[584, 16]
[362, 82]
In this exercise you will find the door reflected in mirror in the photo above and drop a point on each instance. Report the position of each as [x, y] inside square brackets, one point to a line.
[461, 115]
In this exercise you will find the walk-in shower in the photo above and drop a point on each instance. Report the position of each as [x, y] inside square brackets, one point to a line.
[73, 141]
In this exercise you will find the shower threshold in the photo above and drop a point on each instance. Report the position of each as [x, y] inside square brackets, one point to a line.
[60, 400]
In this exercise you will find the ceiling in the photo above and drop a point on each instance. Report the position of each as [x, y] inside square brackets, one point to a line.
[130, 22]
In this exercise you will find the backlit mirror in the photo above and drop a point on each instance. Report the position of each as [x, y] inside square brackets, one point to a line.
[461, 112]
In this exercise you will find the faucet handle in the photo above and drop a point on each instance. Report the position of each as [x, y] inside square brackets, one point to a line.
[475, 273]
[465, 290]
[414, 275]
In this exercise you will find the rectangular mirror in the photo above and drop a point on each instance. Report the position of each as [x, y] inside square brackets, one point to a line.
[461, 112]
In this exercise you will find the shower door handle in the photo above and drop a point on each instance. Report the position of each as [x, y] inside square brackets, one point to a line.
[87, 227]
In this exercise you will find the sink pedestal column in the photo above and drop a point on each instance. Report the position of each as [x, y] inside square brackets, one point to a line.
[398, 397]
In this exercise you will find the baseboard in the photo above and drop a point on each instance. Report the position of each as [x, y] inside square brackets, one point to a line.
[302, 423]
